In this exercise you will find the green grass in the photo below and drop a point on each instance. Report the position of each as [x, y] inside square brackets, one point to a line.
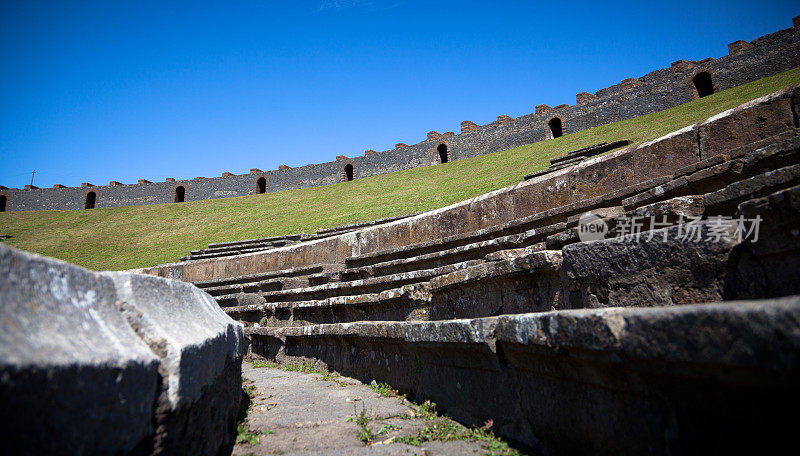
[139, 236]
[442, 429]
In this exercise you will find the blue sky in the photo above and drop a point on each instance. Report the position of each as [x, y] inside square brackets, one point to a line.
[123, 90]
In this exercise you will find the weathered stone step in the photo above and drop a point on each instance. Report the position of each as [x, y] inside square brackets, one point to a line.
[345, 228]
[224, 249]
[698, 373]
[542, 220]
[769, 267]
[577, 156]
[269, 244]
[248, 278]
[655, 268]
[371, 285]
[282, 283]
[512, 281]
[726, 200]
[751, 163]
[590, 151]
[289, 237]
[458, 254]
[237, 251]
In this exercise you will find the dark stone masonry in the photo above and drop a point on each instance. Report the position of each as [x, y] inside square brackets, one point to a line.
[673, 332]
[682, 82]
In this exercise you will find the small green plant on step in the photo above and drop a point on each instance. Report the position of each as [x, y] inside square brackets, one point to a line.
[245, 436]
[362, 420]
[383, 389]
[442, 429]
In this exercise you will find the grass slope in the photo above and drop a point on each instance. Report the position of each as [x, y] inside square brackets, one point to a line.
[138, 236]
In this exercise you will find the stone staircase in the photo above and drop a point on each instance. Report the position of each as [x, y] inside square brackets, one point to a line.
[224, 249]
[576, 156]
[675, 332]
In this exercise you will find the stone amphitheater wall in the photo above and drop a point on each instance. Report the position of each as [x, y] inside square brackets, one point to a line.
[633, 97]
[774, 115]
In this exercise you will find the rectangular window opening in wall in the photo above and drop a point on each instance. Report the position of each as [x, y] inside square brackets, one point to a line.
[556, 127]
[180, 194]
[90, 200]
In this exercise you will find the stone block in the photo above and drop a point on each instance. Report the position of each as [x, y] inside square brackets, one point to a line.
[603, 174]
[73, 372]
[489, 210]
[679, 208]
[765, 264]
[670, 268]
[554, 190]
[112, 363]
[753, 121]
[725, 200]
[663, 156]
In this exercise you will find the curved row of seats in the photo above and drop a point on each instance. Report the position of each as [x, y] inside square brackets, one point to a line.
[527, 325]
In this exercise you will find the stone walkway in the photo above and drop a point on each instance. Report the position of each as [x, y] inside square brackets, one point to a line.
[314, 414]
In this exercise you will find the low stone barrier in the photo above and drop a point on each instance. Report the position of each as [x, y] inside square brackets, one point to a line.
[694, 379]
[112, 363]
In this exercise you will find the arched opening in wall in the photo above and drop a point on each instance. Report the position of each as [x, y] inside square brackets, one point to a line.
[703, 84]
[442, 149]
[348, 172]
[261, 185]
[2, 203]
[91, 199]
[556, 129]
[180, 194]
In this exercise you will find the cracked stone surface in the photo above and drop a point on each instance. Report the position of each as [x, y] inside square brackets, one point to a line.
[112, 362]
[308, 415]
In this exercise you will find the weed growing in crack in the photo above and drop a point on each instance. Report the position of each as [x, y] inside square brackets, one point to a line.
[383, 389]
[362, 420]
[442, 429]
[306, 368]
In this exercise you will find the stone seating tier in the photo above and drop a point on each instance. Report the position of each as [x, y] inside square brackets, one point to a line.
[682, 338]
